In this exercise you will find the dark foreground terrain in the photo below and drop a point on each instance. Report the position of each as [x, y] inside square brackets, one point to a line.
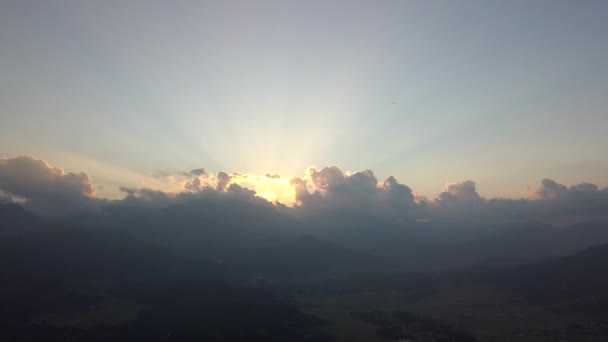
[184, 274]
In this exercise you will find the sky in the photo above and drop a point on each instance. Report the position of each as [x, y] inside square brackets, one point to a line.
[505, 93]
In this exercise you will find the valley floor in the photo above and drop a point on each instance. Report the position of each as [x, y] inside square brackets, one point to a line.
[486, 314]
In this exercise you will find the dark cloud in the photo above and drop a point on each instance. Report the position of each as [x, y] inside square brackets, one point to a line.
[239, 192]
[46, 189]
[361, 183]
[356, 190]
[273, 176]
[398, 192]
[150, 198]
[201, 186]
[459, 192]
[460, 200]
[396, 198]
[194, 185]
[200, 180]
[330, 188]
[553, 198]
[198, 172]
[327, 178]
[223, 179]
[550, 190]
[145, 197]
[302, 196]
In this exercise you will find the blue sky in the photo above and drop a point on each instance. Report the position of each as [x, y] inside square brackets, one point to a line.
[505, 93]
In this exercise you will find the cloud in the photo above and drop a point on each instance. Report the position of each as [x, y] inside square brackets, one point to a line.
[331, 188]
[145, 197]
[5, 199]
[198, 172]
[46, 189]
[302, 196]
[396, 197]
[238, 192]
[327, 178]
[194, 185]
[552, 198]
[550, 190]
[464, 191]
[271, 188]
[459, 200]
[52, 191]
[361, 184]
[150, 198]
[223, 179]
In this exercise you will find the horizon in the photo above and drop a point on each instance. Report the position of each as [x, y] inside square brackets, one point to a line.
[52, 191]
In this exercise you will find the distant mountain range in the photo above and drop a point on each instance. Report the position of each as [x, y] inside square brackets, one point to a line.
[223, 230]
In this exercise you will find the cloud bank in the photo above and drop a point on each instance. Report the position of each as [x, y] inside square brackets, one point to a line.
[48, 190]
[45, 188]
[331, 187]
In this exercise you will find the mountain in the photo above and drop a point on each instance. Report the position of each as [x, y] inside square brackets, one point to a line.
[522, 243]
[576, 278]
[222, 229]
[97, 284]
[301, 256]
[207, 229]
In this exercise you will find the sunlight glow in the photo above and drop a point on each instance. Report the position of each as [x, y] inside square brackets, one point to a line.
[271, 189]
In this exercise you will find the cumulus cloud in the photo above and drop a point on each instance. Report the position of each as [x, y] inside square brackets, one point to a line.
[396, 197]
[359, 184]
[302, 195]
[272, 188]
[151, 198]
[459, 199]
[551, 200]
[331, 187]
[327, 178]
[46, 189]
[580, 199]
[194, 185]
[550, 190]
[53, 191]
[223, 179]
[464, 191]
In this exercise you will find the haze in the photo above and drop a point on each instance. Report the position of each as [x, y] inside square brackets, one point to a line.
[303, 171]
